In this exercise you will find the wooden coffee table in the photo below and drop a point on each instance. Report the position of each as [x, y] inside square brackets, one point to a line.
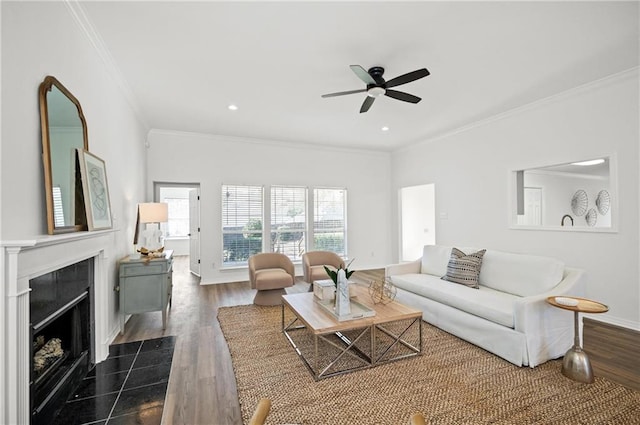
[329, 347]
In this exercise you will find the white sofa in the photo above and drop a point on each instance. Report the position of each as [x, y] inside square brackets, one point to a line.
[507, 315]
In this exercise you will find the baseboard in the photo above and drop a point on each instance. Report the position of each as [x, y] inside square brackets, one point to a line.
[113, 335]
[612, 320]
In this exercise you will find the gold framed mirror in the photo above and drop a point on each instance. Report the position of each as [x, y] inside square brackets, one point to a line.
[64, 130]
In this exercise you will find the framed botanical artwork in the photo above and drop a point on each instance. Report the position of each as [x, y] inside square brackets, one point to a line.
[96, 191]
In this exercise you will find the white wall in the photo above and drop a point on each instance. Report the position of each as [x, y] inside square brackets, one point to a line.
[40, 39]
[178, 246]
[471, 169]
[214, 160]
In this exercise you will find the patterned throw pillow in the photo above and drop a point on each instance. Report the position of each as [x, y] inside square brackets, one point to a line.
[463, 268]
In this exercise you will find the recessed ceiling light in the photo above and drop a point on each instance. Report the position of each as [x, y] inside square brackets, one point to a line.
[385, 128]
[591, 162]
[232, 107]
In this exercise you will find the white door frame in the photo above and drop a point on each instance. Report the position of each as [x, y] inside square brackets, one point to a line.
[417, 223]
[156, 195]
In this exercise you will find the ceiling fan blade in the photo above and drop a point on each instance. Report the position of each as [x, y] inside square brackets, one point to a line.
[408, 77]
[400, 95]
[342, 93]
[368, 101]
[362, 74]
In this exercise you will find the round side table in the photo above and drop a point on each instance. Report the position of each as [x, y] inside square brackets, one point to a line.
[576, 364]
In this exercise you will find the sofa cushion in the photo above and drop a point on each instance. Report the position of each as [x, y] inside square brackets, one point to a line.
[520, 274]
[495, 306]
[464, 268]
[435, 259]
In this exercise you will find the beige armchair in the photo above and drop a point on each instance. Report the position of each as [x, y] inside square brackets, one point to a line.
[270, 273]
[313, 263]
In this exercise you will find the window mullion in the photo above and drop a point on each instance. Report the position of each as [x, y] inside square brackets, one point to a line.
[266, 226]
[310, 242]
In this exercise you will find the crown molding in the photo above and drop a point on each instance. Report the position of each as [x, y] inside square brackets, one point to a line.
[600, 82]
[91, 33]
[266, 142]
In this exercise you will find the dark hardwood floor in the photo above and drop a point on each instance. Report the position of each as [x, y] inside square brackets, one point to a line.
[202, 387]
[614, 352]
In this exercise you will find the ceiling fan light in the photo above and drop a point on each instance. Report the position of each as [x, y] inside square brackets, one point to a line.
[376, 92]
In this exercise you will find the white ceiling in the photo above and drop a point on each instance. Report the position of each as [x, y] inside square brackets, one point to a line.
[186, 62]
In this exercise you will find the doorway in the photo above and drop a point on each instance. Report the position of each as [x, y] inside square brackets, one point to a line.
[532, 207]
[182, 230]
[417, 220]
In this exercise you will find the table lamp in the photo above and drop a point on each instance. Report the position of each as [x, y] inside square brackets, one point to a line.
[152, 214]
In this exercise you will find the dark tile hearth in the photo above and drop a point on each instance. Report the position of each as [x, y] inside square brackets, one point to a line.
[129, 387]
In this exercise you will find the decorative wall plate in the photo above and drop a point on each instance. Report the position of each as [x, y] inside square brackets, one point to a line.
[579, 202]
[591, 217]
[603, 202]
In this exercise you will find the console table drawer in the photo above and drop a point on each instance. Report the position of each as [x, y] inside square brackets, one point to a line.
[142, 269]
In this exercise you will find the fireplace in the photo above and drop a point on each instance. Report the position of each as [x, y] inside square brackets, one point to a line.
[90, 305]
[61, 315]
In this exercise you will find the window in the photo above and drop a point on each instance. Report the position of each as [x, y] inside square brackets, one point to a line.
[288, 220]
[282, 223]
[177, 198]
[242, 218]
[58, 210]
[178, 224]
[329, 220]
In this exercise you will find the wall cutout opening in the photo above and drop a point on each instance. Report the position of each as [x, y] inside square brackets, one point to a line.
[576, 196]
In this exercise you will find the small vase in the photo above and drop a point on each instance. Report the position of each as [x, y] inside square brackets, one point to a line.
[343, 304]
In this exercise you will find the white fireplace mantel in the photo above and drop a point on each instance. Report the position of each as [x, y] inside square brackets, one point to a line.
[21, 261]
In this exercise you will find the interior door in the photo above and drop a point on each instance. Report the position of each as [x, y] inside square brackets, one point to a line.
[194, 231]
[532, 207]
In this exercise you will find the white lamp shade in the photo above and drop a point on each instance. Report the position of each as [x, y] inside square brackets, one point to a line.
[153, 212]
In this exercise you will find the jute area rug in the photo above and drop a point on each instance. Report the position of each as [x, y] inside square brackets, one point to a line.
[453, 382]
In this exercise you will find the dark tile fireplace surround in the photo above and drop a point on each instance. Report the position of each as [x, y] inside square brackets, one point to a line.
[62, 326]
[36, 303]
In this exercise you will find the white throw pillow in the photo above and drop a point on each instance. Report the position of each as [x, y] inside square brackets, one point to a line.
[520, 274]
[435, 259]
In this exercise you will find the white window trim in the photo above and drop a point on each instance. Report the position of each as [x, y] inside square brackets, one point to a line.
[266, 221]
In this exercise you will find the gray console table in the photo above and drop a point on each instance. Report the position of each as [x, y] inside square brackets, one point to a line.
[145, 285]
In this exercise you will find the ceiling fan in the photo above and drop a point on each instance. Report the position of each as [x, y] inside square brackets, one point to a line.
[377, 86]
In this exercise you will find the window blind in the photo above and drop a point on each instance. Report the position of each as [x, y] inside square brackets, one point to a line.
[58, 211]
[329, 220]
[242, 218]
[289, 220]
